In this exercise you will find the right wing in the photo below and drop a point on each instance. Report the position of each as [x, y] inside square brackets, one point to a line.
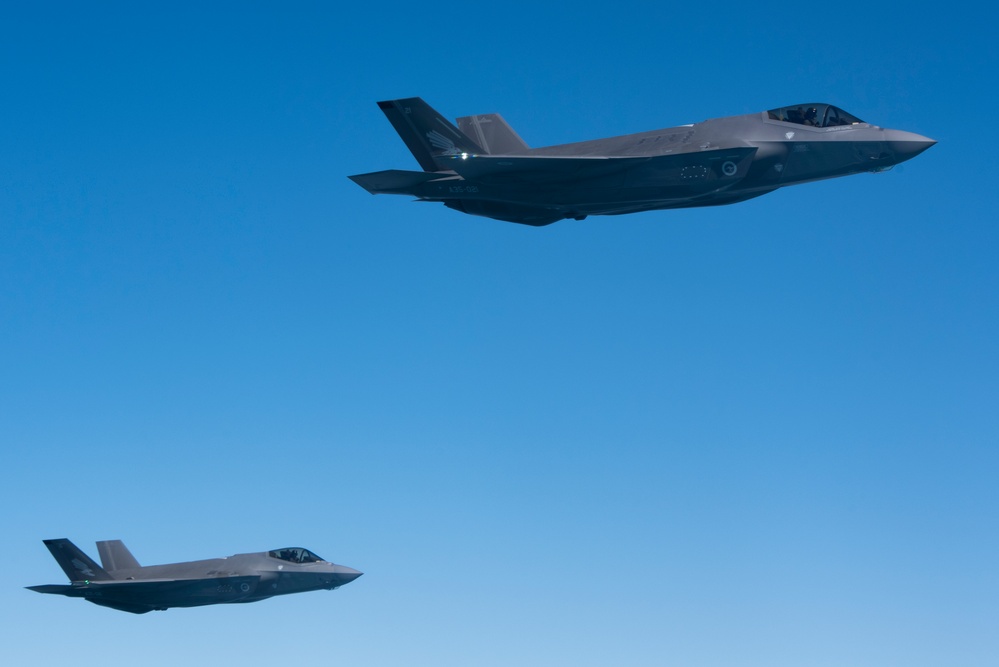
[724, 164]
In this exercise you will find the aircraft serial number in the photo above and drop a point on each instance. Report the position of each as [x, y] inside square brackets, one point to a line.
[463, 189]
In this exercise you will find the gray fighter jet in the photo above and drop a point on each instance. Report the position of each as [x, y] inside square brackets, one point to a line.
[483, 167]
[125, 585]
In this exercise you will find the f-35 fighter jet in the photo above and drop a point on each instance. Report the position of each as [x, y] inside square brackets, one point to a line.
[483, 167]
[125, 585]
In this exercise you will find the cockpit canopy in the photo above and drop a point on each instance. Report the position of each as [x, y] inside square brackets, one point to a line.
[295, 555]
[814, 115]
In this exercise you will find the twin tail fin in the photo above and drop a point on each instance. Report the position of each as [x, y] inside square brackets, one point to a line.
[116, 556]
[435, 142]
[431, 138]
[77, 565]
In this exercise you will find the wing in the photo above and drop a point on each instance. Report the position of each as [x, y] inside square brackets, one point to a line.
[729, 164]
[140, 596]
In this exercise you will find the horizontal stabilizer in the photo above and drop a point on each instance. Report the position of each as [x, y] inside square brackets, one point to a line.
[54, 589]
[397, 181]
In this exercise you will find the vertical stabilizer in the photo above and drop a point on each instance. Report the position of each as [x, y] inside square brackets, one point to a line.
[116, 556]
[493, 133]
[77, 565]
[430, 137]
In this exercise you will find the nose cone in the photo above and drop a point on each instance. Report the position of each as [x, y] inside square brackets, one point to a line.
[345, 574]
[906, 145]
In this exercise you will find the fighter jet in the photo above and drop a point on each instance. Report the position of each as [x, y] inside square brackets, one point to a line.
[483, 167]
[125, 585]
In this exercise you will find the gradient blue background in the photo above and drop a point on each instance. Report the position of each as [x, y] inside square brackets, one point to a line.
[764, 434]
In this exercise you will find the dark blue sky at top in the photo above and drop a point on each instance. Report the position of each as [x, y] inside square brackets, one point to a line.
[763, 434]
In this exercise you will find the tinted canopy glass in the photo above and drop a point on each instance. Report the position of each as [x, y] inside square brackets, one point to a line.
[814, 115]
[295, 555]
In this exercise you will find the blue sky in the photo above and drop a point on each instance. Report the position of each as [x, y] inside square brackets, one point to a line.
[763, 434]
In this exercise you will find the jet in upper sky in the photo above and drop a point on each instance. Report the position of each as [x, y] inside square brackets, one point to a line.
[483, 167]
[125, 585]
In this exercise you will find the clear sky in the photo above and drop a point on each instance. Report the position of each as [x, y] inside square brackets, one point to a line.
[764, 434]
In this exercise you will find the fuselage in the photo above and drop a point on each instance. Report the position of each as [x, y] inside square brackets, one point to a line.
[277, 576]
[690, 165]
